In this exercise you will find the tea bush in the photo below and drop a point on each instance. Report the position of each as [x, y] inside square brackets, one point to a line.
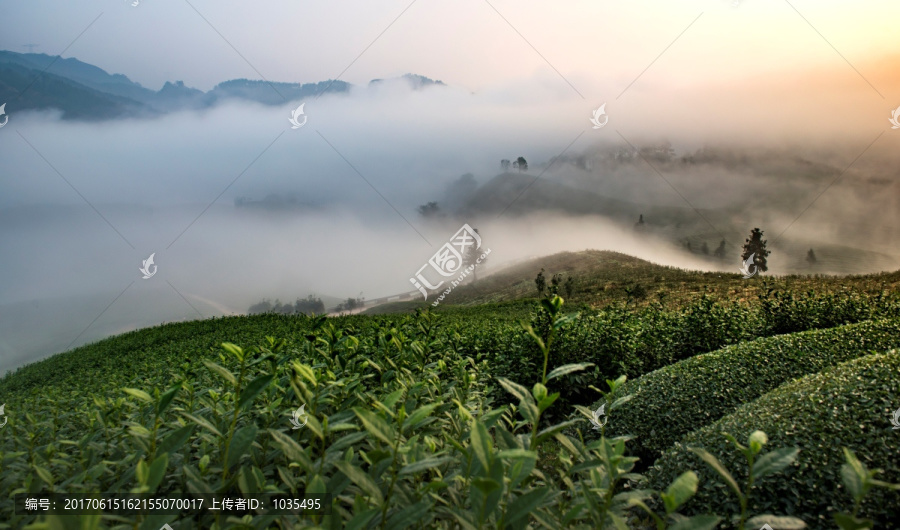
[683, 397]
[847, 406]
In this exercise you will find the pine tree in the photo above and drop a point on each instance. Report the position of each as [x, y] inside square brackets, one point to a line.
[756, 246]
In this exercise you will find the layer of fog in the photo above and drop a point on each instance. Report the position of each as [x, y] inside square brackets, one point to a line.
[361, 156]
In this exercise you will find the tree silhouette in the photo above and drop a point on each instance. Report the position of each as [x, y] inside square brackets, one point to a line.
[504, 165]
[540, 282]
[521, 164]
[720, 251]
[811, 257]
[430, 209]
[471, 258]
[756, 246]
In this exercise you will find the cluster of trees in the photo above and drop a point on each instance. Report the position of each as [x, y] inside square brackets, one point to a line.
[308, 306]
[754, 245]
[556, 281]
[350, 304]
[520, 163]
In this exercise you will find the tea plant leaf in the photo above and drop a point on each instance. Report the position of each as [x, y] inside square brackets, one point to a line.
[139, 394]
[485, 485]
[516, 453]
[697, 522]
[567, 369]
[714, 463]
[482, 445]
[240, 444]
[523, 505]
[234, 349]
[203, 422]
[156, 472]
[361, 519]
[306, 372]
[846, 521]
[409, 516]
[516, 389]
[853, 474]
[376, 425]
[680, 490]
[774, 461]
[777, 521]
[253, 389]
[221, 371]
[174, 440]
[418, 415]
[44, 474]
[166, 399]
[427, 463]
[362, 480]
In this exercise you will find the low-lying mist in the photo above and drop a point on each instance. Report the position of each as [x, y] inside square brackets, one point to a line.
[237, 206]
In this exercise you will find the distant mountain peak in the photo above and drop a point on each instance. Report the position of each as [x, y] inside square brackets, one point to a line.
[415, 81]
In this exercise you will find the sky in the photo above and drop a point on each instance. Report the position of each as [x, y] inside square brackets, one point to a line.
[474, 44]
[523, 78]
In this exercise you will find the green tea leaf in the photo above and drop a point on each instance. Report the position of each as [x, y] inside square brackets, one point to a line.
[240, 444]
[714, 463]
[425, 463]
[774, 461]
[482, 445]
[697, 522]
[234, 349]
[203, 422]
[567, 369]
[362, 480]
[418, 415]
[516, 389]
[221, 371]
[166, 399]
[376, 426]
[778, 522]
[157, 471]
[409, 516]
[847, 522]
[525, 504]
[253, 389]
[680, 490]
[140, 394]
[174, 440]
